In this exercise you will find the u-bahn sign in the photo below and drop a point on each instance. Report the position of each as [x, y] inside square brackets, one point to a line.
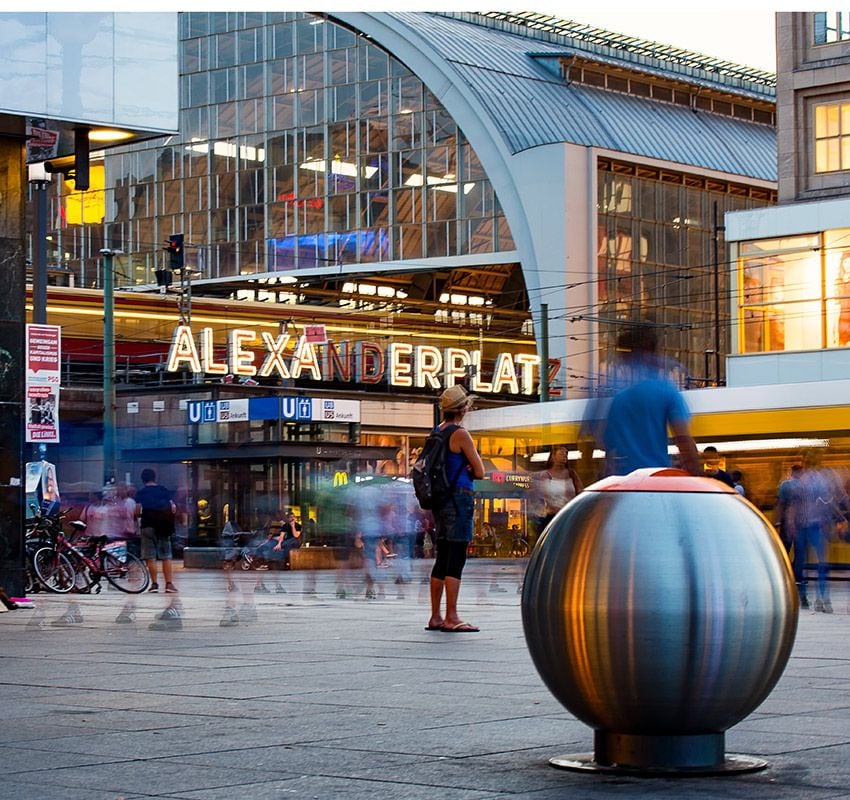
[289, 409]
[398, 364]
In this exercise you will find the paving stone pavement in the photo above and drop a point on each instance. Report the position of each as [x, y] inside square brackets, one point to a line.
[315, 695]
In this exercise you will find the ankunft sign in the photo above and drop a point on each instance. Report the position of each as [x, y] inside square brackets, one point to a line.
[362, 362]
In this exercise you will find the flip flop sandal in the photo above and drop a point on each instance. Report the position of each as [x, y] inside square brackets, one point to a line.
[461, 627]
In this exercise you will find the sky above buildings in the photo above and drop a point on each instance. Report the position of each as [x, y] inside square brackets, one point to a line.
[726, 32]
[745, 37]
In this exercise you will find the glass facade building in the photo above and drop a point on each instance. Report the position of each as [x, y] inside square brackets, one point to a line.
[657, 232]
[301, 145]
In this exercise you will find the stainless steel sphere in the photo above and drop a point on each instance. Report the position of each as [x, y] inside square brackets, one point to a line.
[660, 609]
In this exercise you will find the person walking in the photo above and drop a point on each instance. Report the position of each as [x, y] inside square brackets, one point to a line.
[713, 469]
[454, 519]
[812, 517]
[553, 487]
[738, 482]
[788, 497]
[646, 403]
[157, 515]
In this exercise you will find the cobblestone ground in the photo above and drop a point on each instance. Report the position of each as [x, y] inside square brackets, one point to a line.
[312, 690]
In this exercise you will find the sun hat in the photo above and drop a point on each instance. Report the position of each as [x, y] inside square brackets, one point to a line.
[455, 398]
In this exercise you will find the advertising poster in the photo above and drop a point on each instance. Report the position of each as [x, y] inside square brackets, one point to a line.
[43, 349]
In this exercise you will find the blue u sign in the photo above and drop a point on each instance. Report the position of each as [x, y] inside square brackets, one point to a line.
[201, 411]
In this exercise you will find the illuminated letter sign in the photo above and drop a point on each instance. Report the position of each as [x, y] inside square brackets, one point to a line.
[429, 363]
[208, 362]
[369, 363]
[274, 360]
[183, 350]
[305, 359]
[398, 364]
[455, 362]
[478, 383]
[400, 371]
[527, 363]
[505, 374]
[337, 362]
[241, 361]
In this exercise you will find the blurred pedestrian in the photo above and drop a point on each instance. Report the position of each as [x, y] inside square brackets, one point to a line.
[126, 523]
[712, 468]
[787, 501]
[454, 519]
[633, 426]
[157, 514]
[553, 487]
[812, 516]
[737, 477]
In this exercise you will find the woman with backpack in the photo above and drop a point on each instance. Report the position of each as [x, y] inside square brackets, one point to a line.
[453, 515]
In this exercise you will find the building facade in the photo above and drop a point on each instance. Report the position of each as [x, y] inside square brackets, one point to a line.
[787, 364]
[446, 186]
[70, 83]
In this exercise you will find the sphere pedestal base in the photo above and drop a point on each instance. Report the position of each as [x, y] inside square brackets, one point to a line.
[659, 755]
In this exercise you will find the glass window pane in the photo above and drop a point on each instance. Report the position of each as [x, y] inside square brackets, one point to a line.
[845, 118]
[821, 156]
[832, 121]
[772, 245]
[833, 154]
[820, 122]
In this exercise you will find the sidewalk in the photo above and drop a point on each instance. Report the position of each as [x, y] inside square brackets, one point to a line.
[330, 698]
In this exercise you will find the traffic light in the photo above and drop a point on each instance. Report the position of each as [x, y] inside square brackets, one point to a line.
[175, 251]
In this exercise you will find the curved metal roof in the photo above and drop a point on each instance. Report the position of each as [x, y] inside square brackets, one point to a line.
[532, 107]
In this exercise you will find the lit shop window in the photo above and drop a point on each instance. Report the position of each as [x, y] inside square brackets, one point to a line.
[832, 137]
[795, 293]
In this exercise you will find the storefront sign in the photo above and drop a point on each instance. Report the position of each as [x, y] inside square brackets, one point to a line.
[399, 364]
[288, 409]
[43, 350]
[520, 480]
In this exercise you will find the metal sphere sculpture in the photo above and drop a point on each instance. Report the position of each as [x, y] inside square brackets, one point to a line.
[660, 609]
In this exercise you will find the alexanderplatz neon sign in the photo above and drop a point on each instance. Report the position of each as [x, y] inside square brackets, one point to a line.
[399, 363]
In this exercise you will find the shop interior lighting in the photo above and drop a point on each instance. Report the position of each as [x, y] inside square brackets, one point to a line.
[338, 167]
[743, 446]
[750, 445]
[371, 290]
[462, 299]
[443, 184]
[228, 149]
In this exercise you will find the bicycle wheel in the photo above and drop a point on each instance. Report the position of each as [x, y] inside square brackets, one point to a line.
[129, 573]
[85, 579]
[53, 570]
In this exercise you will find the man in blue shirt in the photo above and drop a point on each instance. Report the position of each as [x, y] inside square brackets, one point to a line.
[645, 405]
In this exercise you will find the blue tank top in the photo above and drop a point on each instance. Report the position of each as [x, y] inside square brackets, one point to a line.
[456, 465]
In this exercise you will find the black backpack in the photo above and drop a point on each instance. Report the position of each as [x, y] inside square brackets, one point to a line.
[430, 481]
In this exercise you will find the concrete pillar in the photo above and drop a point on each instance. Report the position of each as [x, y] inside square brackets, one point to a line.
[12, 368]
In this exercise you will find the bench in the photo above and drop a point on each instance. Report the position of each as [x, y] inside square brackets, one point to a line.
[202, 557]
[318, 558]
[302, 558]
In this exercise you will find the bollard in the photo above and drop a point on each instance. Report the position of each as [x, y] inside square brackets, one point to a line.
[660, 609]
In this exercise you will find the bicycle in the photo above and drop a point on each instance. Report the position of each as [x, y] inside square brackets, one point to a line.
[109, 560]
[56, 574]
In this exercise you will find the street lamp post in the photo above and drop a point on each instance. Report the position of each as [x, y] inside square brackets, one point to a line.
[109, 365]
[40, 179]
